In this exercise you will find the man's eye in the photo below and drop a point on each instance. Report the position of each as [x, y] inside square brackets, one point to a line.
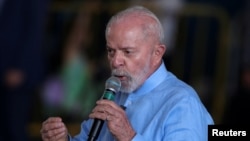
[110, 51]
[127, 52]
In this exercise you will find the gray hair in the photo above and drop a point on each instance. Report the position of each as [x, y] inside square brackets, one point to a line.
[155, 28]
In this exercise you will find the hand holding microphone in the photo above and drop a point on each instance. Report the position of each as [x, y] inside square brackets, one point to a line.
[113, 114]
[112, 86]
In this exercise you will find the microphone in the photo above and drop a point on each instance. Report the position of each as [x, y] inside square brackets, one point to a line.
[112, 86]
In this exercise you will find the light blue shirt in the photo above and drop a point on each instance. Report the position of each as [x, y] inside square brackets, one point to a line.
[164, 108]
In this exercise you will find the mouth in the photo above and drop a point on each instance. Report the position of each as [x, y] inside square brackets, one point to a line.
[122, 78]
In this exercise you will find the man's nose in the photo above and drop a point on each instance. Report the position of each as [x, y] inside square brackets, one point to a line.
[117, 60]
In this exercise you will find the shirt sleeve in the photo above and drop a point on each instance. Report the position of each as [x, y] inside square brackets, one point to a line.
[83, 135]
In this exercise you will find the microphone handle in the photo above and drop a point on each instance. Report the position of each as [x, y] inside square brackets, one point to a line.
[97, 124]
[95, 131]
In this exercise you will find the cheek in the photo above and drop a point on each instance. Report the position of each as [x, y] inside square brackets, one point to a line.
[135, 66]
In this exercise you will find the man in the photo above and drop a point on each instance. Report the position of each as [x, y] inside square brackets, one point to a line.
[159, 106]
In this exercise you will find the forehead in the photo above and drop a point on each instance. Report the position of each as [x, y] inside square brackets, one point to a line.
[125, 38]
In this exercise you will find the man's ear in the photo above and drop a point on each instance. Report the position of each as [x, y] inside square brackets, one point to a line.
[160, 50]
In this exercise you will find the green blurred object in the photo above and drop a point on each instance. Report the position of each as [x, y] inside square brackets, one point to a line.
[78, 97]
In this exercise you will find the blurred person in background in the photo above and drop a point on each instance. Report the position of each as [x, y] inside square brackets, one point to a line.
[69, 91]
[21, 65]
[158, 105]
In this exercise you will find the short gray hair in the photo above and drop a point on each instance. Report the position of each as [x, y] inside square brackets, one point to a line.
[139, 10]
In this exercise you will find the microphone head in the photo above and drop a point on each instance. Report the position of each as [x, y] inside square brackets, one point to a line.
[113, 84]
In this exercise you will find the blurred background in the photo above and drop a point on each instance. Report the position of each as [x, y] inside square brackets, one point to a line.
[53, 60]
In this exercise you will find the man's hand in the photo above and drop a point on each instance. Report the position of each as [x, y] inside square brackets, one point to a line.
[116, 118]
[53, 129]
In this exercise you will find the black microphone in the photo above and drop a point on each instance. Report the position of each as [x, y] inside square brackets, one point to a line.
[112, 86]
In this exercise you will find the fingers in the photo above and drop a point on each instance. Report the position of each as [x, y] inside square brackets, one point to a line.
[117, 121]
[106, 110]
[53, 129]
[51, 123]
[109, 104]
[54, 119]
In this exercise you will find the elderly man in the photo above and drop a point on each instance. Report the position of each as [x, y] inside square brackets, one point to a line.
[159, 106]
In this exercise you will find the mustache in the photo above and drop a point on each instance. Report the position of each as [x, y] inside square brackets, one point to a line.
[117, 72]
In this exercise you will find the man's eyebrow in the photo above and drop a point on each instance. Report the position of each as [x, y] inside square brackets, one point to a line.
[128, 48]
[122, 48]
